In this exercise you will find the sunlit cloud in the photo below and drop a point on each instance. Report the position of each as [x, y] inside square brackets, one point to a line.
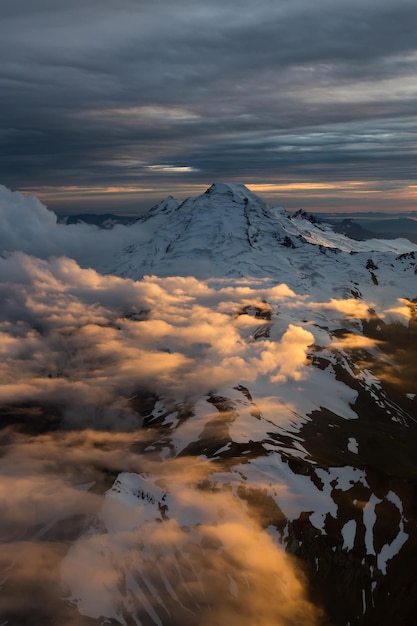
[170, 169]
[350, 307]
[230, 579]
[353, 342]
[402, 313]
[208, 550]
[135, 114]
[86, 340]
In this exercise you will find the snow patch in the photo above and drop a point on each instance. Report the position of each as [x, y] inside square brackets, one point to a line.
[348, 534]
[353, 445]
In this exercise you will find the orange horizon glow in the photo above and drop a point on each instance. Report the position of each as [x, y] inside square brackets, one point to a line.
[302, 192]
[353, 187]
[86, 190]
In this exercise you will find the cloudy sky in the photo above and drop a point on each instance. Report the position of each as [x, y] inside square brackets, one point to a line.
[112, 105]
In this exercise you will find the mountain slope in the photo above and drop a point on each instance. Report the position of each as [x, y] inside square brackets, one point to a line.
[229, 440]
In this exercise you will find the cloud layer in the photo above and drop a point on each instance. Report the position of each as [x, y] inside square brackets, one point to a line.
[28, 226]
[86, 343]
[79, 347]
[209, 561]
[159, 98]
[75, 337]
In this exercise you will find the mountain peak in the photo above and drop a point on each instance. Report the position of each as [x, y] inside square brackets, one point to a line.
[233, 190]
[227, 188]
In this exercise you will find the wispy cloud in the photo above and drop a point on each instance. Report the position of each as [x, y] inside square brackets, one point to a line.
[170, 169]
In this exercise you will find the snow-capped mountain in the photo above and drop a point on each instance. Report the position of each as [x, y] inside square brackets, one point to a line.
[229, 232]
[338, 437]
[263, 370]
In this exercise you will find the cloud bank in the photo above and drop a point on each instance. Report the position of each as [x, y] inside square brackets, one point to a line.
[136, 98]
[28, 226]
[74, 337]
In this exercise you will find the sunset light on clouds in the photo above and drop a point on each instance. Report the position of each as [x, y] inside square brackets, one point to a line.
[313, 103]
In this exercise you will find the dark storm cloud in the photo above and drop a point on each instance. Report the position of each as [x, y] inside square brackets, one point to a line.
[347, 150]
[93, 95]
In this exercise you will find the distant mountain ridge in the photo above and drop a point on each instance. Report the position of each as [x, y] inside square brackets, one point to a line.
[387, 228]
[102, 220]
